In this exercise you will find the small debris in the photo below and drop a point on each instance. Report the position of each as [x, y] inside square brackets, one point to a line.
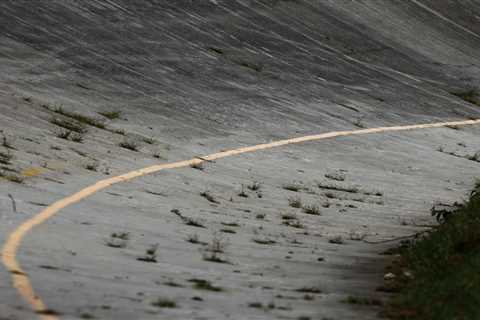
[389, 276]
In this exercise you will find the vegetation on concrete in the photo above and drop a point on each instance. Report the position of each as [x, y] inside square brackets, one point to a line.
[309, 290]
[148, 140]
[337, 176]
[188, 221]
[215, 249]
[292, 186]
[336, 240]
[264, 241]
[114, 114]
[242, 193]
[69, 125]
[5, 157]
[437, 275]
[260, 216]
[202, 284]
[12, 177]
[254, 186]
[209, 196]
[150, 254]
[294, 224]
[336, 187]
[118, 240]
[471, 95]
[164, 303]
[250, 65]
[92, 166]
[311, 209]
[129, 145]
[365, 301]
[99, 123]
[228, 231]
[195, 239]
[7, 143]
[295, 202]
[216, 50]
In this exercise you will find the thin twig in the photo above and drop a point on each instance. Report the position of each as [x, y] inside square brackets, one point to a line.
[14, 204]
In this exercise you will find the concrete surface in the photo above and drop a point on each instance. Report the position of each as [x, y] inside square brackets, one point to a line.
[197, 77]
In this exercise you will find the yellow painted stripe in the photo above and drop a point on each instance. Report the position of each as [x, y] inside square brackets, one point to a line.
[22, 282]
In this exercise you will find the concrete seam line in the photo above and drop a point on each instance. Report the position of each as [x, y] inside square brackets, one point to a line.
[22, 282]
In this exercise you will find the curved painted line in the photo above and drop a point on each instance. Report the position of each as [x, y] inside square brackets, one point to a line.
[22, 282]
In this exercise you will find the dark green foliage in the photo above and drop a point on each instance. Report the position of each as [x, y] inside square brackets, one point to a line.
[444, 264]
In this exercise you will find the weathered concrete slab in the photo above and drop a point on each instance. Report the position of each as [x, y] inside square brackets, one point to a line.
[195, 77]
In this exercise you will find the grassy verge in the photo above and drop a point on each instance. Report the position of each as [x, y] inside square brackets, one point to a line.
[438, 275]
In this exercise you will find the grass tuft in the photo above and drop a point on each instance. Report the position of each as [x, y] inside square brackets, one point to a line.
[311, 209]
[194, 238]
[92, 166]
[111, 114]
[129, 145]
[11, 177]
[242, 193]
[119, 131]
[69, 135]
[80, 117]
[289, 216]
[260, 216]
[202, 284]
[150, 254]
[336, 240]
[363, 301]
[265, 241]
[257, 305]
[69, 125]
[250, 65]
[148, 140]
[294, 224]
[295, 202]
[215, 249]
[118, 240]
[164, 303]
[293, 186]
[171, 283]
[254, 186]
[214, 257]
[336, 187]
[309, 290]
[471, 96]
[337, 176]
[6, 143]
[216, 50]
[192, 222]
[5, 157]
[207, 195]
[231, 224]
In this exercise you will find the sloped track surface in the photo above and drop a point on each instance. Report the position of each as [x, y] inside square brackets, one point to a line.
[202, 76]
